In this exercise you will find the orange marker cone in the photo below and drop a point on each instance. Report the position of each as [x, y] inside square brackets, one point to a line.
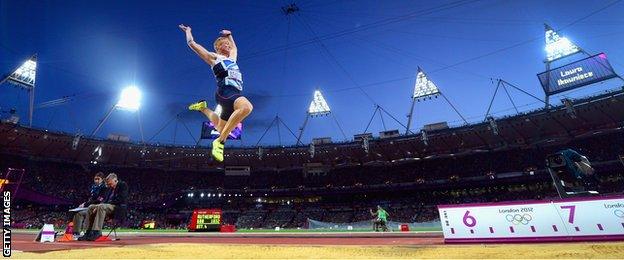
[103, 239]
[68, 233]
[66, 238]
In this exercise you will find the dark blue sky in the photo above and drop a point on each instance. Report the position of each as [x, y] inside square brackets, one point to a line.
[93, 49]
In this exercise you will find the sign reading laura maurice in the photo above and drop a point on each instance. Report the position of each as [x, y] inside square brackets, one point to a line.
[577, 74]
[552, 220]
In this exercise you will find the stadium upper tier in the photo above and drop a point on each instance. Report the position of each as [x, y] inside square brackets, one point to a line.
[597, 114]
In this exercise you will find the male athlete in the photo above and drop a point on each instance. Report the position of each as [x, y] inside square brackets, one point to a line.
[381, 220]
[232, 107]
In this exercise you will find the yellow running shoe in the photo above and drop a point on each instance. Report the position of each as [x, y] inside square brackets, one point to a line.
[217, 150]
[198, 106]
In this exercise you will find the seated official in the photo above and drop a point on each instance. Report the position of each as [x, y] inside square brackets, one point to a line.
[116, 199]
[98, 192]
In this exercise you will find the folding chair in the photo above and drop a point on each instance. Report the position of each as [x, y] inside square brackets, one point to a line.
[119, 216]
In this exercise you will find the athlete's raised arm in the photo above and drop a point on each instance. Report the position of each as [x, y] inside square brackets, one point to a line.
[208, 57]
[234, 50]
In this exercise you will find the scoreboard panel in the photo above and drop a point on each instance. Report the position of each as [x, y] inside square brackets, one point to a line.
[205, 220]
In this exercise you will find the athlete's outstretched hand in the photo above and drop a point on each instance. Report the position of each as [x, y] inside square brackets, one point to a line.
[185, 28]
[225, 32]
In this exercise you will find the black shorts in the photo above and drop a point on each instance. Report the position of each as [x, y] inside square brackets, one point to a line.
[225, 96]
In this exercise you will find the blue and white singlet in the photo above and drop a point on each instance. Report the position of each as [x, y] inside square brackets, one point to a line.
[227, 73]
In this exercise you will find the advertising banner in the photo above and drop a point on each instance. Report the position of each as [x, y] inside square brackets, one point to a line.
[589, 219]
[577, 74]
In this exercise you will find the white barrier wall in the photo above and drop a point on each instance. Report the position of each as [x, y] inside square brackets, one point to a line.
[572, 219]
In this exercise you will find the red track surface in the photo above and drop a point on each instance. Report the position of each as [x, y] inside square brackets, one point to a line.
[24, 242]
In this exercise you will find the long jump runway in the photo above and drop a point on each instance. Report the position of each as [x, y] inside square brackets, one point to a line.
[409, 245]
[24, 242]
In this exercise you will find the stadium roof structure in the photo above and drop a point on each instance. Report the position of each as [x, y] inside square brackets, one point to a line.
[596, 114]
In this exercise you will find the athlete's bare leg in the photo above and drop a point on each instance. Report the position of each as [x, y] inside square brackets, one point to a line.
[220, 125]
[212, 116]
[242, 108]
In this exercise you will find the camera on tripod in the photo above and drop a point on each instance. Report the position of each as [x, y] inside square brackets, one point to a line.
[572, 174]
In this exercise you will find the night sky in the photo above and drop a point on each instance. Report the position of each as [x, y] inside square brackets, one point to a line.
[358, 53]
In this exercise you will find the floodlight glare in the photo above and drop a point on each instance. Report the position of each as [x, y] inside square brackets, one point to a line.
[318, 106]
[130, 99]
[558, 47]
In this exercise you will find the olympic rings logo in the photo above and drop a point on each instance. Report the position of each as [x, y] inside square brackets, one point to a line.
[518, 219]
[619, 213]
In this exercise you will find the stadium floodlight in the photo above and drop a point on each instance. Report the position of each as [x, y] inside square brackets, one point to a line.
[557, 47]
[318, 106]
[424, 87]
[25, 74]
[24, 77]
[130, 99]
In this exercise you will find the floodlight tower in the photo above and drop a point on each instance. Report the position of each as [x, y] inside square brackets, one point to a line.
[24, 77]
[129, 100]
[557, 47]
[422, 89]
[426, 89]
[318, 107]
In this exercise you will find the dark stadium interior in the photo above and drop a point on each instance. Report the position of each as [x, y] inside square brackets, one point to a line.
[408, 177]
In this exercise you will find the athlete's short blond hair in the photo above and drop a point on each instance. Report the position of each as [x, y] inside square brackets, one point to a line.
[218, 42]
